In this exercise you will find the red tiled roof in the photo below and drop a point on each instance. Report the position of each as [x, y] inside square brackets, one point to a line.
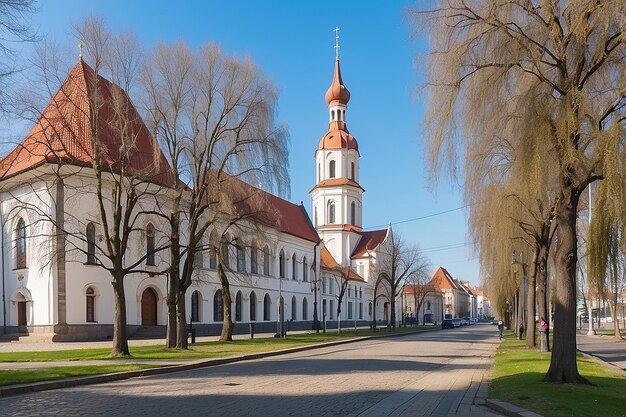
[63, 133]
[338, 137]
[369, 241]
[344, 227]
[326, 259]
[443, 280]
[333, 182]
[264, 207]
[329, 262]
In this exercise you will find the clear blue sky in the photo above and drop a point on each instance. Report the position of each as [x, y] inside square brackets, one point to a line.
[292, 42]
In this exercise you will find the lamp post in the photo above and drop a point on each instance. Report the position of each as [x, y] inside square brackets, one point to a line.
[521, 304]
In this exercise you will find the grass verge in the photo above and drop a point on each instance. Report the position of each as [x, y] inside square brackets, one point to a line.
[199, 350]
[516, 378]
[25, 376]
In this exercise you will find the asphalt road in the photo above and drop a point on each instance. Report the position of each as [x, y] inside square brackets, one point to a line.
[437, 373]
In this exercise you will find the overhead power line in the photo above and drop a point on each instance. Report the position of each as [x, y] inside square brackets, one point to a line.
[420, 218]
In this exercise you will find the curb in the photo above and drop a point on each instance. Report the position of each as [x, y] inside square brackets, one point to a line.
[509, 409]
[11, 390]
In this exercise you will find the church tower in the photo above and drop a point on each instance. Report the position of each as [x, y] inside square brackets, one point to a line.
[337, 195]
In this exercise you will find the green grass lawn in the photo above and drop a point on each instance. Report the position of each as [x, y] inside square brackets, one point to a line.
[516, 378]
[199, 350]
[37, 375]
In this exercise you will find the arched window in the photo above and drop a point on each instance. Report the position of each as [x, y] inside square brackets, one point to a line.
[319, 172]
[241, 257]
[332, 115]
[281, 264]
[20, 244]
[238, 306]
[266, 261]
[252, 306]
[267, 306]
[353, 213]
[315, 217]
[294, 308]
[305, 270]
[370, 309]
[331, 212]
[195, 306]
[150, 258]
[91, 243]
[90, 300]
[212, 258]
[305, 309]
[352, 171]
[254, 263]
[218, 307]
[331, 169]
[294, 267]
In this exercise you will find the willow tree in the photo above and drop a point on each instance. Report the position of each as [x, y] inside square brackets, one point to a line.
[498, 67]
[214, 114]
[606, 246]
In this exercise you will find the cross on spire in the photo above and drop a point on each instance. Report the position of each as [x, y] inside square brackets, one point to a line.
[336, 29]
[80, 47]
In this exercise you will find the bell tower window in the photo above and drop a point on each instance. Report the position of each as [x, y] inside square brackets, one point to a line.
[352, 171]
[353, 213]
[331, 169]
[331, 212]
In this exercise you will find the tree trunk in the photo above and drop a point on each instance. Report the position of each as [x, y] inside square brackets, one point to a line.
[227, 327]
[172, 291]
[120, 335]
[181, 322]
[542, 287]
[392, 313]
[613, 308]
[563, 366]
[531, 340]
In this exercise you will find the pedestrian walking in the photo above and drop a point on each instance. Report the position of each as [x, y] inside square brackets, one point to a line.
[500, 328]
[520, 331]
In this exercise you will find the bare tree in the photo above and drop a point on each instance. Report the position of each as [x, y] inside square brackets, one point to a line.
[97, 152]
[419, 288]
[15, 29]
[399, 262]
[214, 115]
[551, 71]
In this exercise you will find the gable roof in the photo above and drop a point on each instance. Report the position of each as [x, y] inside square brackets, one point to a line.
[261, 206]
[442, 280]
[369, 241]
[84, 105]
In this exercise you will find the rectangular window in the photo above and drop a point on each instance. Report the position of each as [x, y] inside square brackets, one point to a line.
[253, 261]
[360, 311]
[266, 262]
[360, 292]
[324, 285]
[241, 259]
[324, 310]
[332, 310]
[212, 259]
[349, 310]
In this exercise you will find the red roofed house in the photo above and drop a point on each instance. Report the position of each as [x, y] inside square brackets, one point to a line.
[456, 298]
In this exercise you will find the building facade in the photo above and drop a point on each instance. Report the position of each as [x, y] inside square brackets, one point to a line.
[54, 283]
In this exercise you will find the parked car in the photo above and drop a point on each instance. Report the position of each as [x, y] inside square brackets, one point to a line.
[456, 322]
[494, 321]
[473, 320]
[465, 321]
[447, 324]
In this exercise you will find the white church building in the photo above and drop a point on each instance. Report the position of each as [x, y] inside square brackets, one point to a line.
[53, 291]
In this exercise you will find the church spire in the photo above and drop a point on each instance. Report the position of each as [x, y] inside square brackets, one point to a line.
[337, 92]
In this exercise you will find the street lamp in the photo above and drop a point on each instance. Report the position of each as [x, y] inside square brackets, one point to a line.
[522, 307]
